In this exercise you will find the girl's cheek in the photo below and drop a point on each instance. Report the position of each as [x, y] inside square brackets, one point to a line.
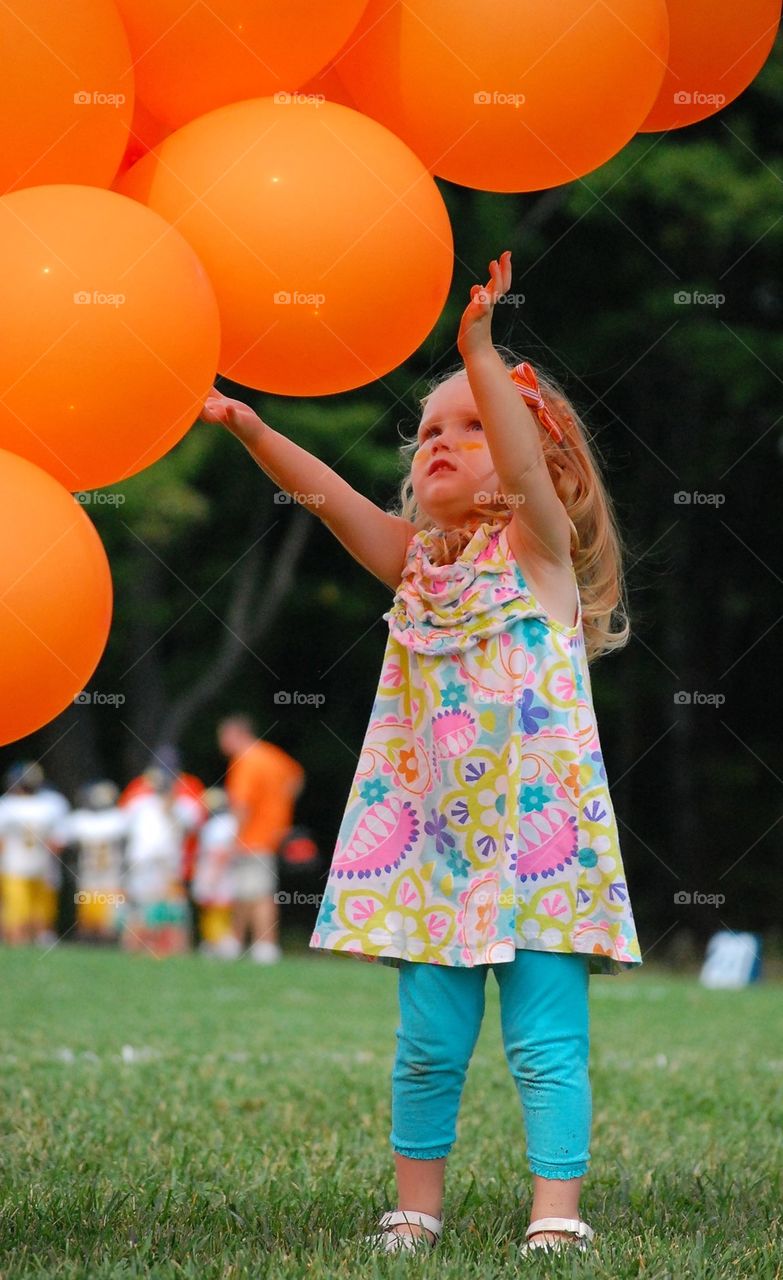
[424, 454]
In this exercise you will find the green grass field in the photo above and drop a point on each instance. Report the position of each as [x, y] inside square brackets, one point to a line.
[190, 1118]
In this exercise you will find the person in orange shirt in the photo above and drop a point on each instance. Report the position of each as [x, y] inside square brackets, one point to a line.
[262, 782]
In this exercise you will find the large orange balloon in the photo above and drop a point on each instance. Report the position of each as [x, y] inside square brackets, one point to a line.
[508, 95]
[66, 92]
[716, 49]
[191, 58]
[109, 333]
[327, 241]
[55, 598]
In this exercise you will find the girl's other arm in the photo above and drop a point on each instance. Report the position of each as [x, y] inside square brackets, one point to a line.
[511, 430]
[377, 539]
[512, 435]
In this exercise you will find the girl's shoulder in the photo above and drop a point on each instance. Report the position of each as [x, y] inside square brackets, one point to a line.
[554, 586]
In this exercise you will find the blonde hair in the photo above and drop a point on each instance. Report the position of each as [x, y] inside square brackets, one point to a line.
[596, 543]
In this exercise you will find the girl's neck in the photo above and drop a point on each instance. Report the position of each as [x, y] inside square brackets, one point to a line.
[471, 521]
[451, 542]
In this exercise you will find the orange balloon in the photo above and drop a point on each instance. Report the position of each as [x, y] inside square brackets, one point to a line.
[66, 93]
[508, 96]
[327, 241]
[193, 58]
[109, 333]
[55, 598]
[716, 49]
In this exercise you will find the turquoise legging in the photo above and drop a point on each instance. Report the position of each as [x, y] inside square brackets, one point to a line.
[544, 1017]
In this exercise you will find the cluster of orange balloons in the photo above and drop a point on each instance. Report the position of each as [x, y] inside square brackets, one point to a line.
[525, 96]
[248, 188]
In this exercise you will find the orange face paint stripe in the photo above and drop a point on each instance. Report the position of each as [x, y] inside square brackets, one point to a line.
[426, 449]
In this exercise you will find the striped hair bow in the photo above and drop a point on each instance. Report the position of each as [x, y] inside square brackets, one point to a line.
[524, 378]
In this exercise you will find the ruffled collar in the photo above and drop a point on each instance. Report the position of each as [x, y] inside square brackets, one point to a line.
[446, 607]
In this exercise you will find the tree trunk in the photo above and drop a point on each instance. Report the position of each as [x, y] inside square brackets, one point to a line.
[252, 611]
[143, 681]
[67, 749]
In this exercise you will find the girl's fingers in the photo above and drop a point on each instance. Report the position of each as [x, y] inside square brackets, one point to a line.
[498, 284]
[216, 409]
[501, 271]
[494, 283]
[507, 269]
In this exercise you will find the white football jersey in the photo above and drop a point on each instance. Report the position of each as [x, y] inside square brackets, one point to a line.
[100, 837]
[213, 881]
[26, 823]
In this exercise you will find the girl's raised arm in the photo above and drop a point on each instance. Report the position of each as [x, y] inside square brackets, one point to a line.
[376, 539]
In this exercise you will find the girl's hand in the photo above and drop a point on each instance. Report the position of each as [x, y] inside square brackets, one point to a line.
[237, 417]
[475, 330]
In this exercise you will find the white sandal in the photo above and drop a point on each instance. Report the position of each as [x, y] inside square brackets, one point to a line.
[390, 1241]
[579, 1229]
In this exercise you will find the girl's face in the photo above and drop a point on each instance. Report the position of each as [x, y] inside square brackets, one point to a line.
[452, 469]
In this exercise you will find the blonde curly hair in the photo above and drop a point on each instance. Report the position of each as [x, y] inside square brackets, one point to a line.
[597, 548]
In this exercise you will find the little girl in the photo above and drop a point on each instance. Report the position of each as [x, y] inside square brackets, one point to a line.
[479, 831]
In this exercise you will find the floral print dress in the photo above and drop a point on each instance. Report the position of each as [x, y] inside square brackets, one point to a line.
[479, 819]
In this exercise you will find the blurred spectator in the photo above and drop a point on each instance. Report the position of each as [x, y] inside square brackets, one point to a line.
[262, 782]
[98, 829]
[155, 913]
[189, 789]
[54, 870]
[213, 882]
[31, 875]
